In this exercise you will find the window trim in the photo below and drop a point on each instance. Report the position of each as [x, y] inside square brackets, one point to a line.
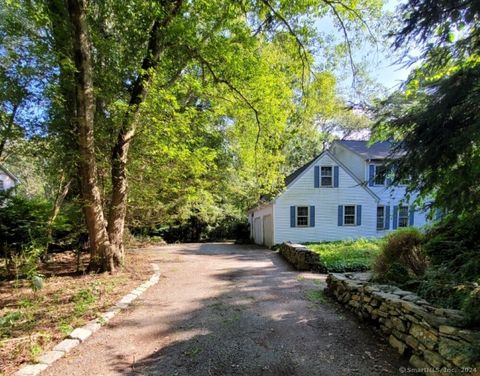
[375, 184]
[308, 215]
[383, 216]
[355, 213]
[331, 176]
[407, 217]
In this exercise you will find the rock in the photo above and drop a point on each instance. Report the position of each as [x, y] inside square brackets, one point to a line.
[50, 357]
[412, 342]
[433, 320]
[384, 295]
[417, 362]
[455, 351]
[425, 336]
[66, 345]
[399, 324]
[31, 370]
[92, 325]
[433, 358]
[81, 334]
[449, 330]
[397, 344]
[411, 298]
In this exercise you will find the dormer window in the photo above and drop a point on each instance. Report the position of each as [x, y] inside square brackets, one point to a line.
[380, 175]
[326, 176]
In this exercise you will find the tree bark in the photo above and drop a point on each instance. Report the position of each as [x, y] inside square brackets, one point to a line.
[101, 249]
[138, 93]
[57, 205]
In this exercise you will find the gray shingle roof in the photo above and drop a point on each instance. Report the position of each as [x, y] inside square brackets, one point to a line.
[298, 171]
[378, 150]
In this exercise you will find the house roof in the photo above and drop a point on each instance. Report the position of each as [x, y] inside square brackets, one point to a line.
[378, 150]
[296, 174]
[290, 178]
[13, 177]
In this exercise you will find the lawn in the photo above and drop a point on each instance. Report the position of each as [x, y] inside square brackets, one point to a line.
[347, 255]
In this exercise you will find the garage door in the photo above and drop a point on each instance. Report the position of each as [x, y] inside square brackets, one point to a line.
[257, 231]
[268, 230]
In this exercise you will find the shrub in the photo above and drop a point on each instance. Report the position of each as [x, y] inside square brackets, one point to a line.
[401, 261]
[454, 273]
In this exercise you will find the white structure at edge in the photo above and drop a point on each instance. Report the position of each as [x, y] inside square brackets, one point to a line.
[344, 193]
[7, 179]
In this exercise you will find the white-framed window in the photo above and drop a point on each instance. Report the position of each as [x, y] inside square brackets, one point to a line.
[349, 215]
[380, 175]
[302, 217]
[380, 217]
[326, 176]
[403, 216]
[2, 185]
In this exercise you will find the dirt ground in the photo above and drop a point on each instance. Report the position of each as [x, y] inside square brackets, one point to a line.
[224, 309]
[68, 299]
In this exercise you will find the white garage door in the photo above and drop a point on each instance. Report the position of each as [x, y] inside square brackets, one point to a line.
[268, 230]
[257, 231]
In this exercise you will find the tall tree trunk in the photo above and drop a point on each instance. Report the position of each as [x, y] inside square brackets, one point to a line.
[57, 205]
[138, 93]
[101, 249]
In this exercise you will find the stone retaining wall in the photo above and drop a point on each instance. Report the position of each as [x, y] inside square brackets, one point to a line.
[301, 257]
[431, 337]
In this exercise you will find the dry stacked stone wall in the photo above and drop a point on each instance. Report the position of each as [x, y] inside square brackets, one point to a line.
[432, 338]
[301, 257]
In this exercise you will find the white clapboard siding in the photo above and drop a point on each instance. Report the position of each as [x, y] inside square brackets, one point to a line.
[388, 195]
[352, 161]
[326, 201]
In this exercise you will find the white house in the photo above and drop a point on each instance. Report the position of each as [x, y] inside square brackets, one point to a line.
[344, 193]
[7, 179]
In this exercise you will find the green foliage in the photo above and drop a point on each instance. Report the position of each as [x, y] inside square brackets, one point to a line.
[347, 255]
[402, 259]
[471, 307]
[454, 274]
[23, 221]
[65, 328]
[83, 300]
[10, 318]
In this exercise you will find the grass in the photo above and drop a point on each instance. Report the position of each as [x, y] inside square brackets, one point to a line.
[33, 322]
[347, 255]
[315, 296]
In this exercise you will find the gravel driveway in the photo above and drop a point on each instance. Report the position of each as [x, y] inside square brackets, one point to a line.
[224, 309]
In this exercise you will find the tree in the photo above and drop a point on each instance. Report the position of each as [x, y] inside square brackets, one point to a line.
[435, 121]
[105, 58]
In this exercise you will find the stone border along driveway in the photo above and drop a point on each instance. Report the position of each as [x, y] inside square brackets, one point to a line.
[79, 335]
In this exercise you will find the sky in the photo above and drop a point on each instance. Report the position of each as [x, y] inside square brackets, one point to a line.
[382, 62]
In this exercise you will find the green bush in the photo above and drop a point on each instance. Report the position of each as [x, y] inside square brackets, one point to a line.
[453, 276]
[24, 221]
[401, 261]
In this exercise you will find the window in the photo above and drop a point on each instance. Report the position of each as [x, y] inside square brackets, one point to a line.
[302, 216]
[380, 217]
[349, 215]
[326, 176]
[2, 187]
[380, 175]
[403, 216]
